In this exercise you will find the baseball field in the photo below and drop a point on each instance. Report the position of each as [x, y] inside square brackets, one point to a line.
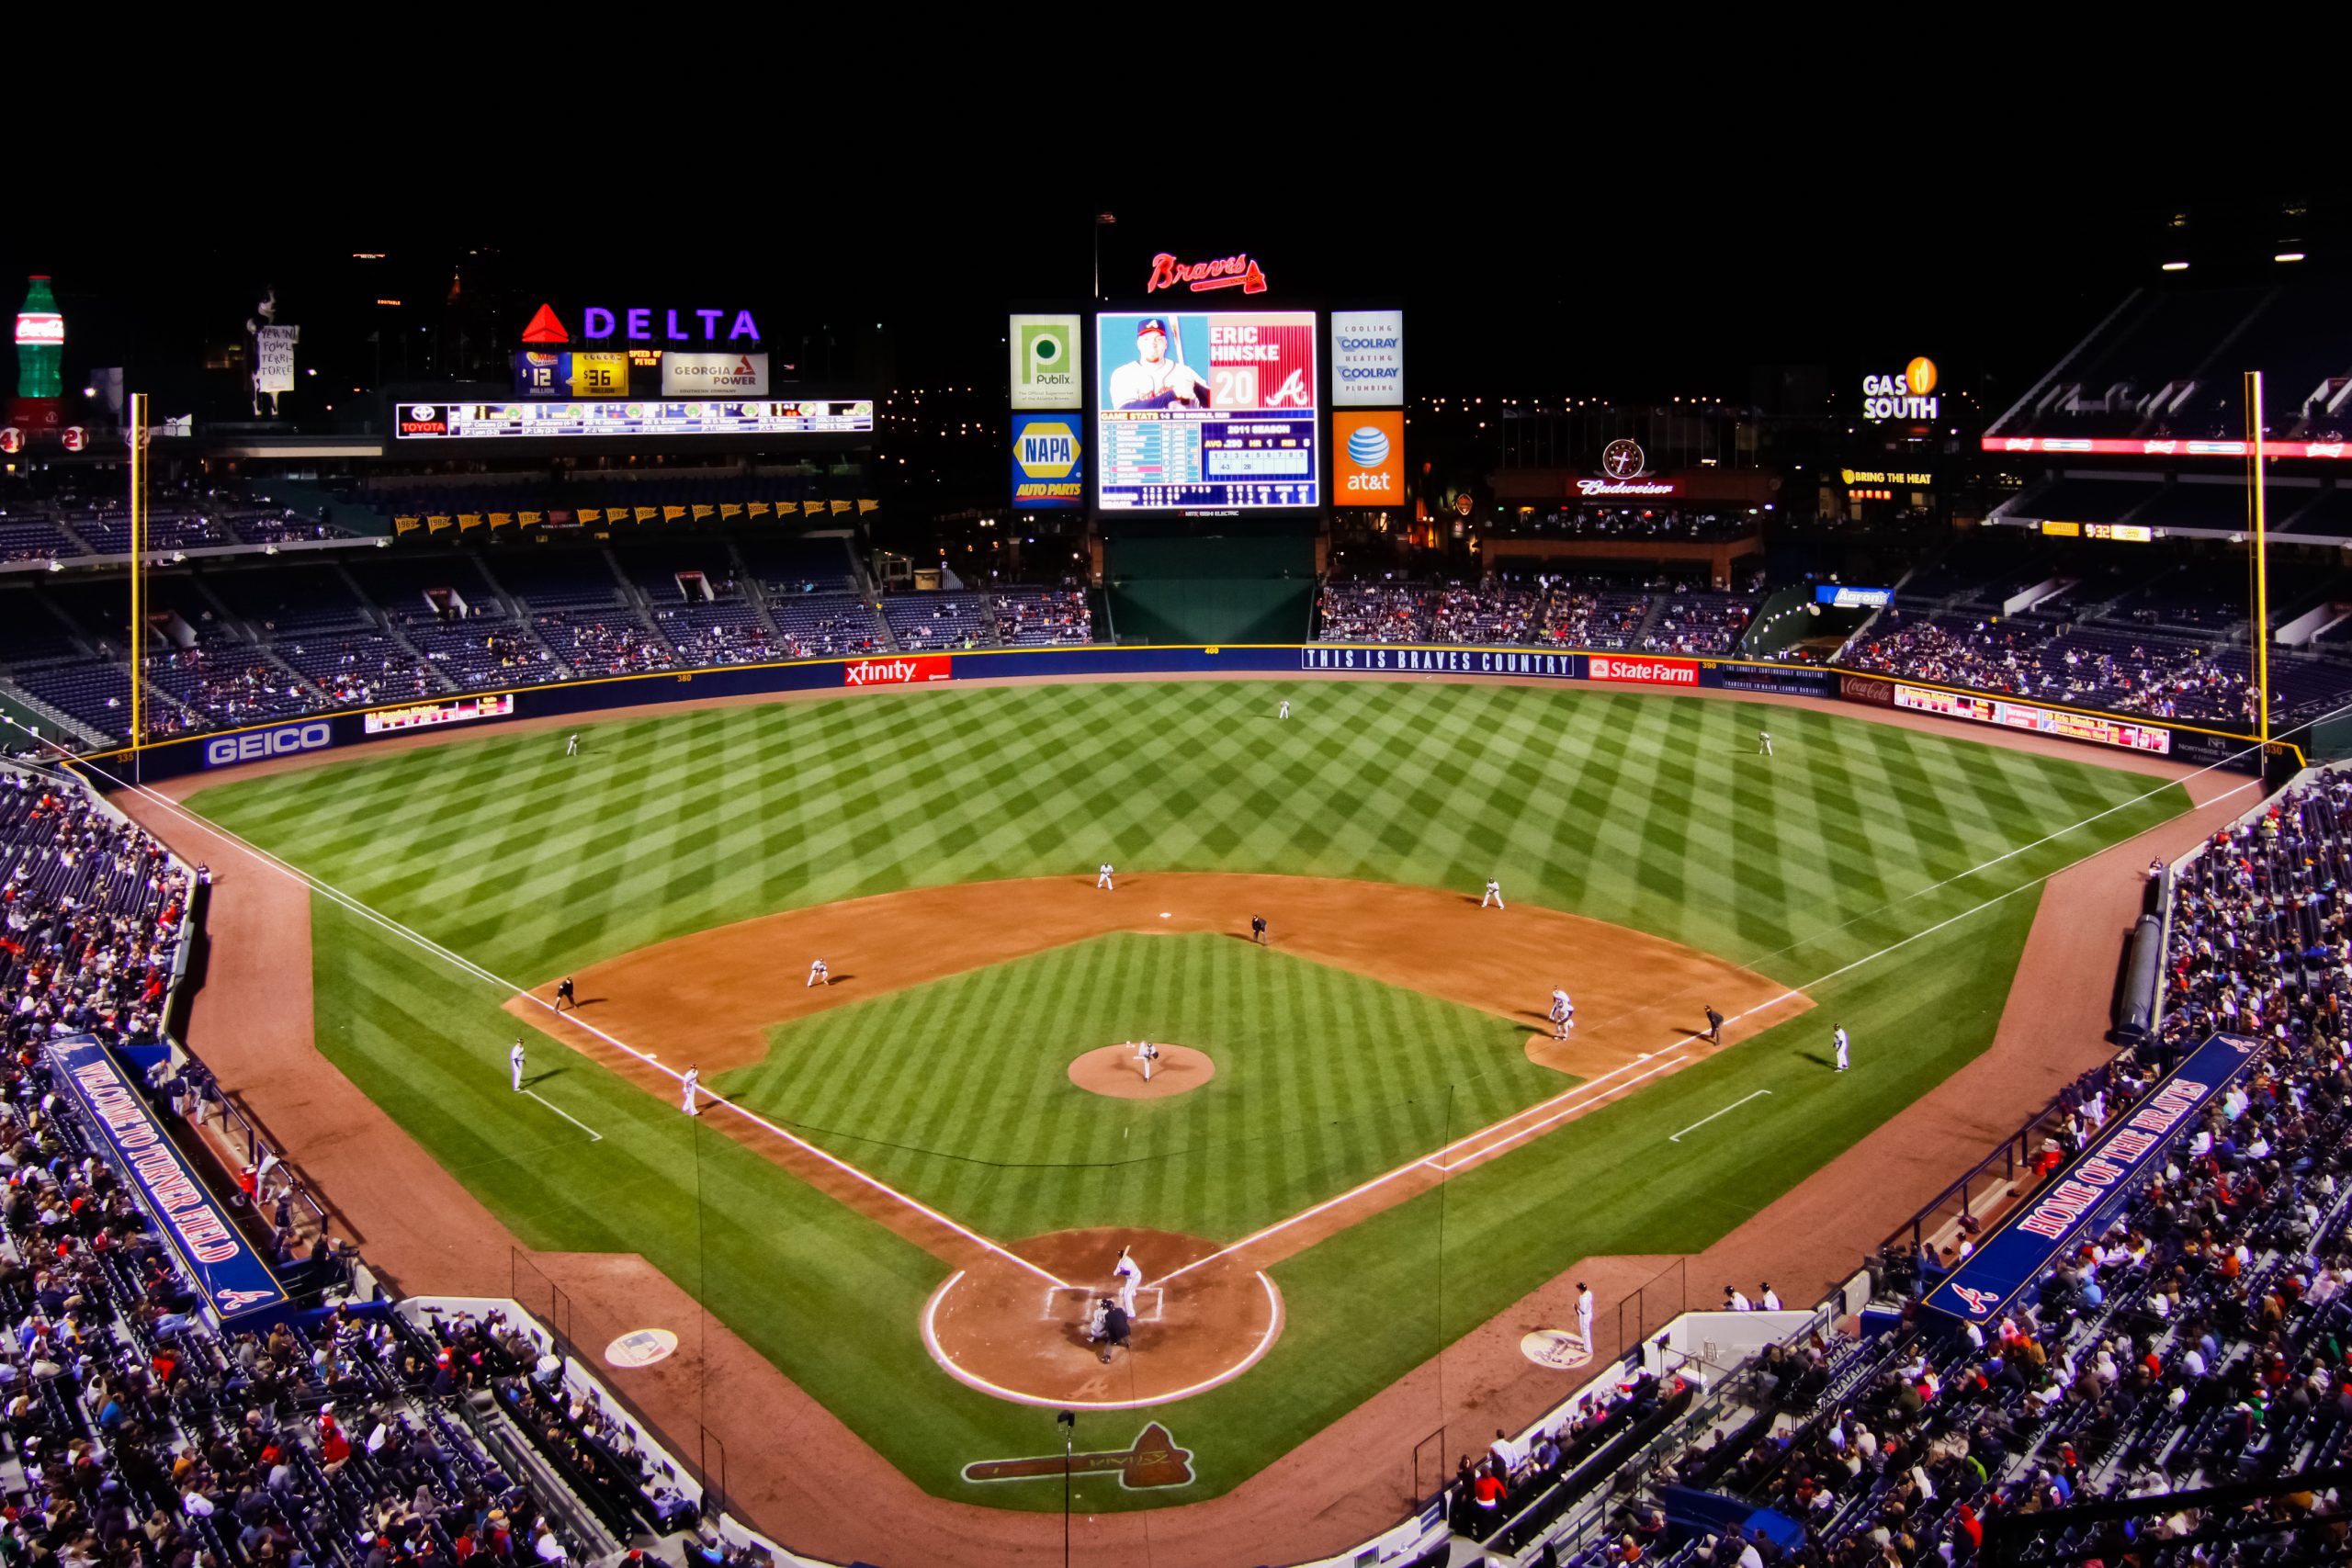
[1363, 1142]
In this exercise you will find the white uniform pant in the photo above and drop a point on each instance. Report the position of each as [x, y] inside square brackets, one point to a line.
[1493, 897]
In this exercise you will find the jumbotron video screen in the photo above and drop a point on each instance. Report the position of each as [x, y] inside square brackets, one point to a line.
[1206, 412]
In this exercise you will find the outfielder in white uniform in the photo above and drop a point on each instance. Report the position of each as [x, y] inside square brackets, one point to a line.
[1102, 877]
[572, 747]
[1564, 1014]
[1494, 895]
[1284, 711]
[514, 1060]
[817, 973]
[694, 1081]
[1838, 1039]
[1584, 1315]
[1154, 380]
[1129, 1273]
[1146, 1052]
[1764, 742]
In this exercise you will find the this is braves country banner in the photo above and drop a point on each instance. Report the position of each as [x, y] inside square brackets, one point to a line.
[235, 1279]
[1442, 660]
[2077, 1200]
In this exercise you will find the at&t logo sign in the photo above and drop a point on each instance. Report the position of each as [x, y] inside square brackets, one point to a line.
[1368, 450]
[255, 745]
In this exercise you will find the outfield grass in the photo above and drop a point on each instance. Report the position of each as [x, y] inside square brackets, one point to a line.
[1649, 811]
[959, 1091]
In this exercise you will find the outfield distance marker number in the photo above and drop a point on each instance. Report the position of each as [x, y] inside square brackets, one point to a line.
[1725, 1111]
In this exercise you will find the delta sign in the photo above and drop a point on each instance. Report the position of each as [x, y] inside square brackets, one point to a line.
[644, 323]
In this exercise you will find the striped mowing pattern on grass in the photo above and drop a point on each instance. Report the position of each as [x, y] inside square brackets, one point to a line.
[959, 1091]
[1652, 812]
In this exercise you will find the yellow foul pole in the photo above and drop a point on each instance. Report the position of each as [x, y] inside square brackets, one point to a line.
[138, 570]
[2254, 503]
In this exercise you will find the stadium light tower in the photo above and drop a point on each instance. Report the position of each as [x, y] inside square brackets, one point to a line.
[137, 434]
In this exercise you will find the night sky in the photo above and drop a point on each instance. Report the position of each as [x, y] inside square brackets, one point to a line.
[1546, 283]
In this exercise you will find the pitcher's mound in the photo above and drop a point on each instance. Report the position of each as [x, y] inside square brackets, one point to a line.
[1114, 1070]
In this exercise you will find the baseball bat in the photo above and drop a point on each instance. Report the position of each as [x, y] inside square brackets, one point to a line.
[1176, 342]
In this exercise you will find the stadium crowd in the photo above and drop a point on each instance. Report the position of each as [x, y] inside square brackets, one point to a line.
[1539, 611]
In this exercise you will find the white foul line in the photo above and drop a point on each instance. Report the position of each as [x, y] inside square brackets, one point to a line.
[469, 966]
[1725, 1111]
[593, 1135]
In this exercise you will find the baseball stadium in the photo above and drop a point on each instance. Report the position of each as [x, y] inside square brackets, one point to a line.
[1331, 985]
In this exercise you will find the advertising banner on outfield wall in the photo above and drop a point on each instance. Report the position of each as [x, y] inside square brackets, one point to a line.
[1982, 709]
[1443, 661]
[2081, 1197]
[1799, 682]
[236, 1279]
[908, 669]
[1867, 690]
[1643, 672]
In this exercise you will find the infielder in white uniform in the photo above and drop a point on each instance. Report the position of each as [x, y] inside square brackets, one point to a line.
[572, 747]
[1584, 1315]
[817, 973]
[1494, 895]
[1129, 1273]
[1154, 380]
[1764, 742]
[514, 1060]
[1564, 1014]
[694, 1081]
[1102, 877]
[1838, 1039]
[1146, 1052]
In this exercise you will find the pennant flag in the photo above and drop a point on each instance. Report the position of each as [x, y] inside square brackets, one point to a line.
[672, 513]
[500, 519]
[530, 519]
[590, 513]
[702, 512]
[839, 507]
[407, 525]
[468, 520]
[761, 509]
[728, 510]
[434, 525]
[865, 506]
[647, 513]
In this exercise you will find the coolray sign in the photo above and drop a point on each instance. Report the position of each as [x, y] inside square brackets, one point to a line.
[2010, 714]
[647, 324]
[1225, 272]
[1049, 368]
[714, 375]
[423, 716]
[1643, 672]
[1906, 395]
[1368, 459]
[2081, 1196]
[236, 1281]
[1367, 358]
[1442, 660]
[257, 744]
[908, 671]
[1049, 467]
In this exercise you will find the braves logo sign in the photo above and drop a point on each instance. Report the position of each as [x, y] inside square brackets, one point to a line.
[1225, 272]
[1151, 1462]
[1979, 1303]
[234, 1300]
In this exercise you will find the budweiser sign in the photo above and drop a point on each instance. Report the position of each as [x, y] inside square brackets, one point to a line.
[1644, 672]
[1225, 272]
[1627, 487]
[905, 671]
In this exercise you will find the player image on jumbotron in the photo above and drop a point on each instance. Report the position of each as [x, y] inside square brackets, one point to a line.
[1154, 380]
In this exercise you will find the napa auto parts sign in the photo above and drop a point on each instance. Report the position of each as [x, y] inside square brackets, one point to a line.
[908, 671]
[1643, 672]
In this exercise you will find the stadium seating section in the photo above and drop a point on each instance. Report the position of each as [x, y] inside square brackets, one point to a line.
[1609, 614]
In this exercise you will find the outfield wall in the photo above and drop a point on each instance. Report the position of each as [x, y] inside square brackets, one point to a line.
[354, 727]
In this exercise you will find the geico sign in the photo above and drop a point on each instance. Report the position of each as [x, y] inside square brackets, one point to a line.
[254, 745]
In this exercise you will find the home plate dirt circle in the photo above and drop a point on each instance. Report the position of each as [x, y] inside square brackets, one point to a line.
[1017, 1330]
[1114, 1070]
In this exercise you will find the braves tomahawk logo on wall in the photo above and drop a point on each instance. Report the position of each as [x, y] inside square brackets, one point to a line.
[904, 671]
[1644, 672]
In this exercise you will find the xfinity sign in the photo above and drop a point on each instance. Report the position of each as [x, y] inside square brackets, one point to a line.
[257, 745]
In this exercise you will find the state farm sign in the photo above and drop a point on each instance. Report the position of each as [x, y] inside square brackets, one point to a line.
[903, 672]
[1644, 672]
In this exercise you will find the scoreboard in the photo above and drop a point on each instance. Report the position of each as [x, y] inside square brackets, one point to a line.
[545, 420]
[1207, 411]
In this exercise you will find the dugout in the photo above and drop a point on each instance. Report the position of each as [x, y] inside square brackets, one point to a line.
[1183, 581]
